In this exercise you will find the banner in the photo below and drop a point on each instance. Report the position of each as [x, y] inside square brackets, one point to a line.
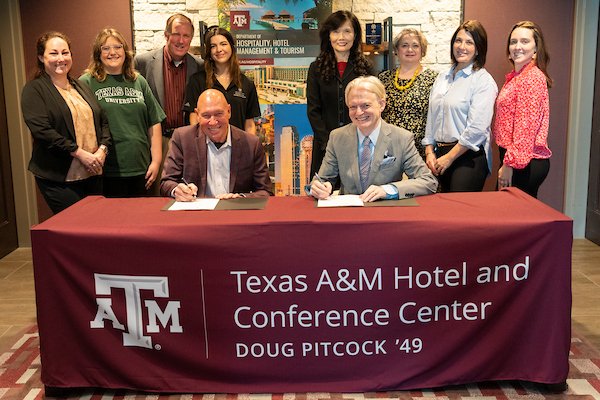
[276, 41]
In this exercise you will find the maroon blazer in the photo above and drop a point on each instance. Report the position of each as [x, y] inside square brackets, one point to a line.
[186, 158]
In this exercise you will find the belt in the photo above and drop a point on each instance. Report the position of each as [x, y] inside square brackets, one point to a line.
[440, 144]
[168, 132]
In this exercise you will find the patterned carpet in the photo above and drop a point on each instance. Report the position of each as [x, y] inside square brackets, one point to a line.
[20, 379]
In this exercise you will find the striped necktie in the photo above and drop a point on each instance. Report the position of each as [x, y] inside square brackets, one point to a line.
[365, 163]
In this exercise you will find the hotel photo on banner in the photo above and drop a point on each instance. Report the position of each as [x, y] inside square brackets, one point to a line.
[276, 41]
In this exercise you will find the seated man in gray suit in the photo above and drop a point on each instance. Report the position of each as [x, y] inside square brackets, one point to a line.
[369, 155]
[213, 158]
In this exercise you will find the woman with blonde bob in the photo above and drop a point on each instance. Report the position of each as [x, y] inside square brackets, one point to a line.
[522, 112]
[134, 116]
[408, 86]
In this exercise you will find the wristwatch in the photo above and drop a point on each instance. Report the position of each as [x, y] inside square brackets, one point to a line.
[104, 148]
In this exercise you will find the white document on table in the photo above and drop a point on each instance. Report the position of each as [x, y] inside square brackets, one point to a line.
[346, 200]
[198, 204]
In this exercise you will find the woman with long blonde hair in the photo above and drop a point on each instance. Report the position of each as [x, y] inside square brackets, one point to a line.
[134, 116]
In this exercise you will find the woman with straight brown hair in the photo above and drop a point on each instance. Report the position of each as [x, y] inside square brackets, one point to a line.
[522, 112]
[69, 129]
[222, 72]
[461, 105]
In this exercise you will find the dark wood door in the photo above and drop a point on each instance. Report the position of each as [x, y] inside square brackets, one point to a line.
[592, 226]
[8, 221]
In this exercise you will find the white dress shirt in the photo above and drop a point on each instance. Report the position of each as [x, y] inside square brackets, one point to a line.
[218, 166]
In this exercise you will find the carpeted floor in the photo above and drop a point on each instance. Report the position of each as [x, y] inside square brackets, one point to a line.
[20, 379]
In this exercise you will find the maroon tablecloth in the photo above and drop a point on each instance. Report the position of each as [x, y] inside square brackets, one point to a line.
[464, 288]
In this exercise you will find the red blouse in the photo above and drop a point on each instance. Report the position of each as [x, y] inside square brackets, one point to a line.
[522, 117]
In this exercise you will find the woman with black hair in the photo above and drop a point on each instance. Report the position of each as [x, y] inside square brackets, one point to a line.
[340, 61]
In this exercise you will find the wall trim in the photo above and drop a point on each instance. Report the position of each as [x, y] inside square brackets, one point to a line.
[580, 113]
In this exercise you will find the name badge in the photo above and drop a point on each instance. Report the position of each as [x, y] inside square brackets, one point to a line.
[239, 93]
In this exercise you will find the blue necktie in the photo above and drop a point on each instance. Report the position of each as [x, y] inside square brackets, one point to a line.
[365, 163]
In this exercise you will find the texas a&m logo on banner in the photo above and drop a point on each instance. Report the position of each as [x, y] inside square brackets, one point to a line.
[239, 20]
[134, 333]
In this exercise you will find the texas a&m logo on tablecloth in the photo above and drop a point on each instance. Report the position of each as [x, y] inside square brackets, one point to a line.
[133, 330]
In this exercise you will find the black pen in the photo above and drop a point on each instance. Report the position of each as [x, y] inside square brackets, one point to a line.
[188, 185]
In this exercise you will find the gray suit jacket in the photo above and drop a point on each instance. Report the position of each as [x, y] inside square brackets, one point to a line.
[394, 154]
[150, 65]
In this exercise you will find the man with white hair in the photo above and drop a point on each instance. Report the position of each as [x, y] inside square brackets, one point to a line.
[369, 155]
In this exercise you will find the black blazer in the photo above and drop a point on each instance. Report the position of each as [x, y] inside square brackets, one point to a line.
[326, 108]
[51, 124]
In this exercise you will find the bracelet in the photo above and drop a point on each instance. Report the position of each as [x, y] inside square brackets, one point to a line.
[104, 149]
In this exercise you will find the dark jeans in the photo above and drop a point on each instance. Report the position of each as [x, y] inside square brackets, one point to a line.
[466, 174]
[530, 178]
[60, 195]
[133, 186]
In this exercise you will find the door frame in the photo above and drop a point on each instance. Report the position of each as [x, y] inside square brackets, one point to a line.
[580, 114]
[592, 228]
[13, 69]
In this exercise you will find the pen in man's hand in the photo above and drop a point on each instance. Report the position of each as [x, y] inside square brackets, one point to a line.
[188, 185]
[319, 178]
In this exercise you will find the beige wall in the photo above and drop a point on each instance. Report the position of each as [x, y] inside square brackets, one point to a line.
[437, 19]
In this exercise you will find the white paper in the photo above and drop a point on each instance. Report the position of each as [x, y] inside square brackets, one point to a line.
[347, 200]
[198, 204]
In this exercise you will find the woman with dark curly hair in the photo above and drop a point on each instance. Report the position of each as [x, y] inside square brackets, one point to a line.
[222, 72]
[133, 113]
[340, 61]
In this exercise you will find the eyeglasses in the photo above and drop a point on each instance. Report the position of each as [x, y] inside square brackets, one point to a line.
[116, 47]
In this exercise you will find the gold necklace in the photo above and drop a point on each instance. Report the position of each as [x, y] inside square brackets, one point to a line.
[409, 83]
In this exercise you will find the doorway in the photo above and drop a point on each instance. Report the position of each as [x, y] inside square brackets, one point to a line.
[8, 220]
[592, 226]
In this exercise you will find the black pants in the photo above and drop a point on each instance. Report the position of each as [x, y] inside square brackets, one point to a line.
[530, 178]
[60, 195]
[134, 186]
[466, 174]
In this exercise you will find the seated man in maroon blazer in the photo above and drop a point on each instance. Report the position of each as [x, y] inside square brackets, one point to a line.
[213, 158]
